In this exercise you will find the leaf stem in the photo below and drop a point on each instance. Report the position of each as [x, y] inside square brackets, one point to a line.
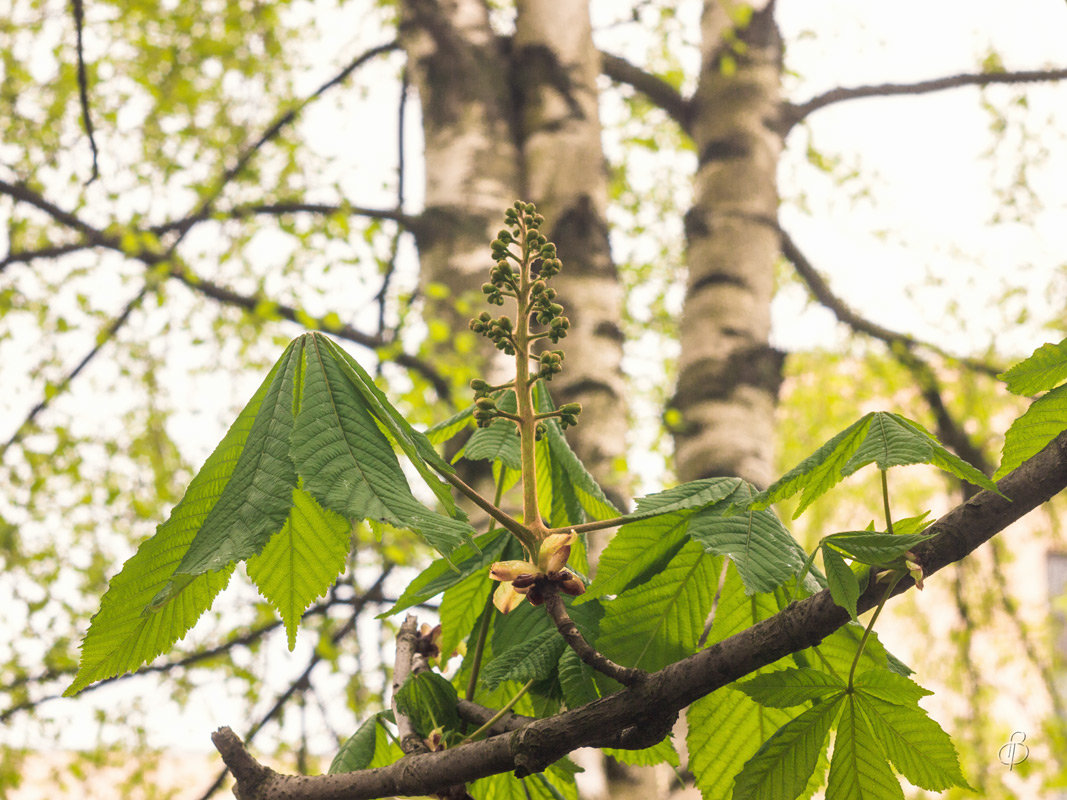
[500, 714]
[479, 647]
[595, 525]
[870, 625]
[885, 501]
[508, 522]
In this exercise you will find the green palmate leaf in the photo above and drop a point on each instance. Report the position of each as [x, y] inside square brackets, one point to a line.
[445, 573]
[727, 727]
[446, 429]
[358, 750]
[660, 621]
[839, 649]
[386, 749]
[661, 753]
[543, 474]
[819, 472]
[348, 465]
[858, 769]
[416, 446]
[302, 560]
[782, 766]
[785, 688]
[882, 438]
[461, 606]
[575, 476]
[844, 585]
[691, 495]
[499, 441]
[890, 687]
[534, 659]
[1043, 370]
[725, 731]
[126, 632]
[1043, 421]
[762, 549]
[876, 549]
[259, 493]
[893, 440]
[638, 552]
[576, 680]
[429, 701]
[527, 646]
[920, 750]
[910, 526]
[549, 785]
[566, 508]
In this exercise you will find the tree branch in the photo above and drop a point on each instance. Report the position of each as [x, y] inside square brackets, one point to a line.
[627, 676]
[83, 86]
[604, 722]
[410, 741]
[105, 336]
[657, 90]
[409, 222]
[302, 681]
[792, 113]
[98, 238]
[820, 289]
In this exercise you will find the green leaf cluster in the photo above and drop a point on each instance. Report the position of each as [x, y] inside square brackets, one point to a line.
[1044, 371]
[309, 455]
[881, 438]
[881, 731]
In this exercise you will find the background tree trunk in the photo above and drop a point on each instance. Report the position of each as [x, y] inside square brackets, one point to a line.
[728, 375]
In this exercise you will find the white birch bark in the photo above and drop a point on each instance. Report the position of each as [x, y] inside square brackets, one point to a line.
[728, 374]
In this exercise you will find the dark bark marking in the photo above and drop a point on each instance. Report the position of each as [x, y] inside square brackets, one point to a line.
[726, 149]
[759, 366]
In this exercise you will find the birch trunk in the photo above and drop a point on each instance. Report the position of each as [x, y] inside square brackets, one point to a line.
[728, 374]
[461, 73]
[556, 68]
[507, 119]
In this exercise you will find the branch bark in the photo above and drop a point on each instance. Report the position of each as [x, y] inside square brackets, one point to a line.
[792, 113]
[627, 676]
[621, 718]
[822, 292]
[658, 91]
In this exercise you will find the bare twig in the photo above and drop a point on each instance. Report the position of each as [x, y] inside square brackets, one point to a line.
[302, 681]
[83, 86]
[795, 112]
[394, 249]
[820, 289]
[106, 336]
[627, 676]
[410, 741]
[97, 238]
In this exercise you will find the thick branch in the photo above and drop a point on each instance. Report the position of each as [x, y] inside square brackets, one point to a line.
[795, 112]
[657, 90]
[605, 722]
